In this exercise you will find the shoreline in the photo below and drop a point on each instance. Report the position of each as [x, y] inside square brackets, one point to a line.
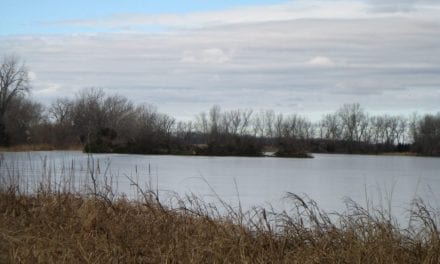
[270, 154]
[39, 147]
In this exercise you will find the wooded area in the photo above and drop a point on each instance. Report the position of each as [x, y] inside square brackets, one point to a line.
[112, 123]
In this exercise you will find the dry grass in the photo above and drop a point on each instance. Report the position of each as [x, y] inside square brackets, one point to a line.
[60, 226]
[65, 227]
[39, 147]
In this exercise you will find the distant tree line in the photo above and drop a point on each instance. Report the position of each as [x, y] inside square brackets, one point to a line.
[112, 123]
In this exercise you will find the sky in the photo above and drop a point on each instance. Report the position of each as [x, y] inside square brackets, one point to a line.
[306, 56]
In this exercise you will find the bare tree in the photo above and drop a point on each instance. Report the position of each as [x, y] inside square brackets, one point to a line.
[235, 119]
[202, 123]
[214, 118]
[22, 117]
[14, 81]
[427, 135]
[61, 110]
[331, 127]
[246, 116]
[352, 116]
[402, 130]
[279, 121]
[184, 131]
[270, 120]
[88, 113]
[264, 123]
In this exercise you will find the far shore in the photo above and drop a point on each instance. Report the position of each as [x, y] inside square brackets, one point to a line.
[47, 147]
[39, 147]
[410, 154]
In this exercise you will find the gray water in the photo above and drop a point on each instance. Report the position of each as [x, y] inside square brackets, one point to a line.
[389, 181]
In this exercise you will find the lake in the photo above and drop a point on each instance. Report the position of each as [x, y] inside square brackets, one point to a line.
[328, 178]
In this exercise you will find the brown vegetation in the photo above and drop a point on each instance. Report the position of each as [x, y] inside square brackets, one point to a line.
[55, 227]
[39, 147]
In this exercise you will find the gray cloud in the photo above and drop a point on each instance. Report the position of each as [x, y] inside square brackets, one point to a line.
[401, 6]
[384, 63]
[290, 10]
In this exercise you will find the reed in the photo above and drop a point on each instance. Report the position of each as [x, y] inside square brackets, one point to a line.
[95, 225]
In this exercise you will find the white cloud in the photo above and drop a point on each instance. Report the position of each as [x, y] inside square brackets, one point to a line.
[209, 56]
[48, 89]
[32, 76]
[321, 61]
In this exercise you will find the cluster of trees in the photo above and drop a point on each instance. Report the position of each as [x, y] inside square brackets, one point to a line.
[112, 123]
[104, 123]
[352, 130]
[426, 134]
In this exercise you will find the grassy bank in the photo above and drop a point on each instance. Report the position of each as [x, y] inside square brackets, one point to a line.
[39, 147]
[55, 227]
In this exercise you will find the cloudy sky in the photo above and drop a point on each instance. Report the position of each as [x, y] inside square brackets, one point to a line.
[302, 56]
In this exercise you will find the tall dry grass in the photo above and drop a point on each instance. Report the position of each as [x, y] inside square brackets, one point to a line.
[39, 147]
[62, 226]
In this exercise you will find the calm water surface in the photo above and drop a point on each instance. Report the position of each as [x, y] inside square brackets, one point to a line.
[328, 179]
